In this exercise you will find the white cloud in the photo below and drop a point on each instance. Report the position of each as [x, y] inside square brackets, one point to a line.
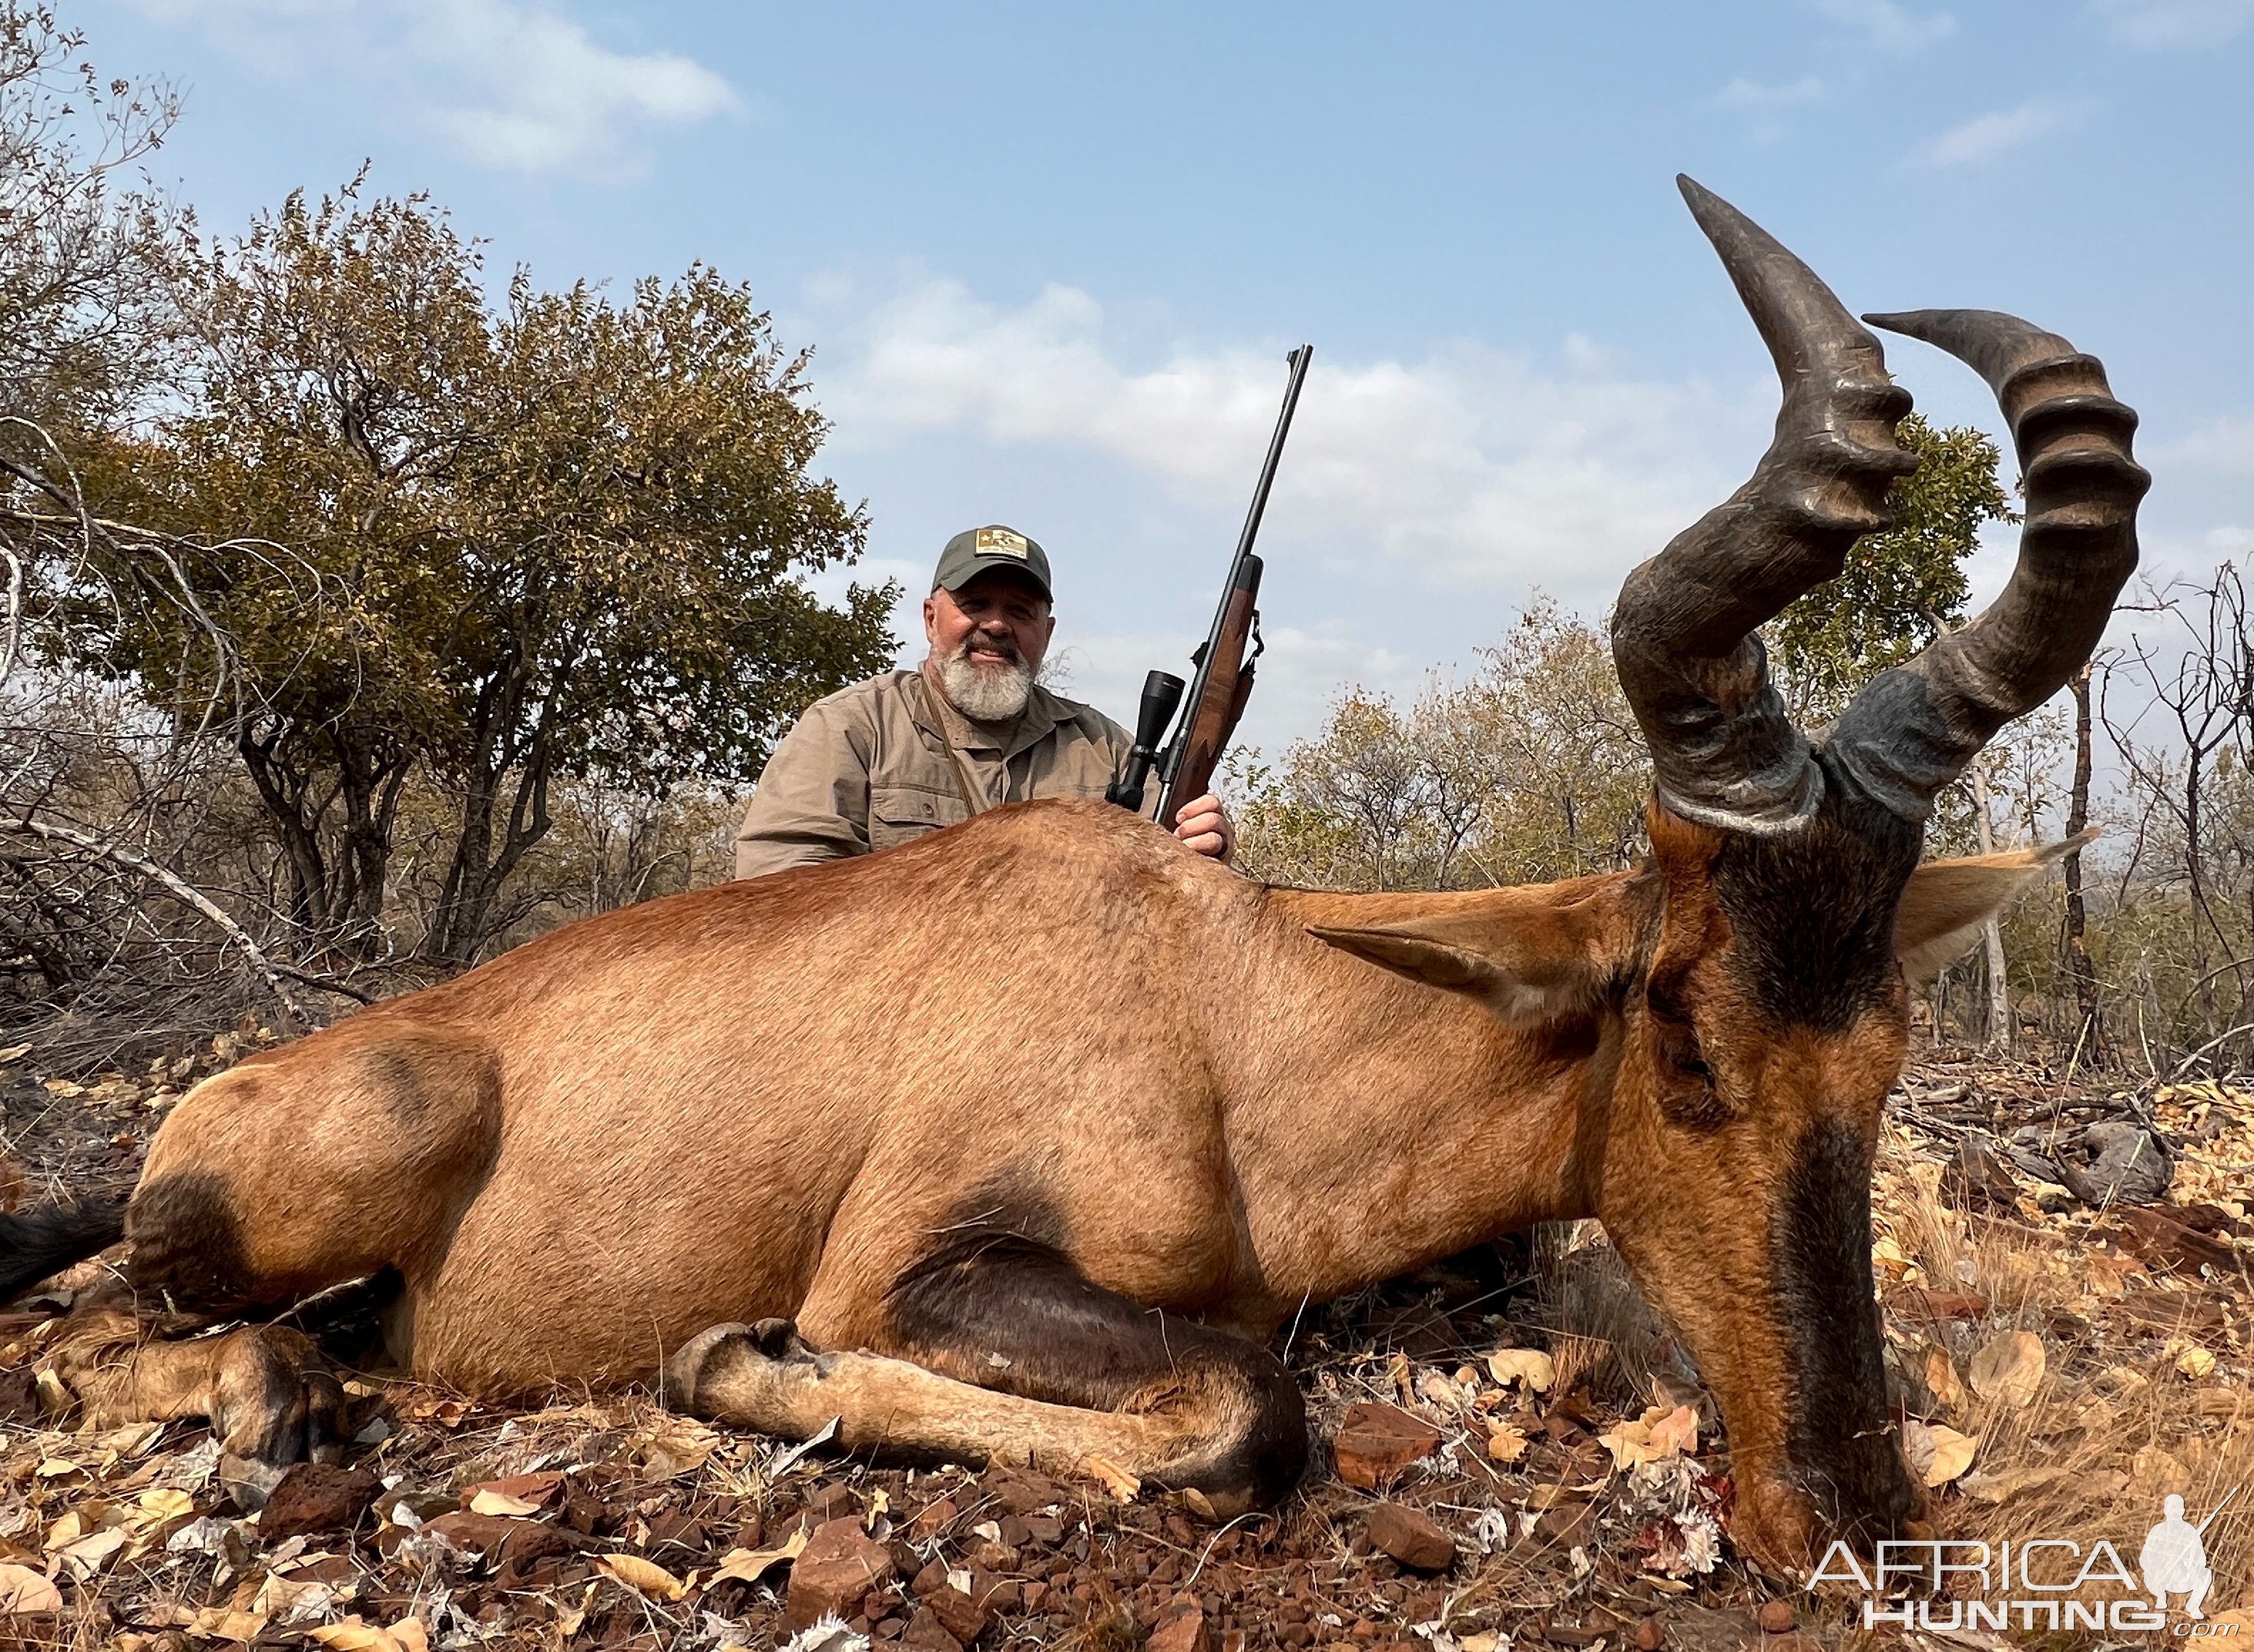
[1474, 469]
[1986, 136]
[2224, 447]
[542, 95]
[2160, 25]
[1742, 93]
[1890, 27]
[515, 85]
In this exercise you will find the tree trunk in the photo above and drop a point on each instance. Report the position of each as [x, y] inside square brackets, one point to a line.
[1998, 1034]
[2090, 1027]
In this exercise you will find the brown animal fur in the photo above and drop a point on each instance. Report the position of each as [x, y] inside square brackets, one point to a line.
[1185, 1103]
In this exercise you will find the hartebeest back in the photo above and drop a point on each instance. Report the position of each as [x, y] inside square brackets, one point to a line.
[1022, 1140]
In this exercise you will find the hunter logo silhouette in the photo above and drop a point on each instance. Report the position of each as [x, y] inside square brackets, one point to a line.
[2173, 1559]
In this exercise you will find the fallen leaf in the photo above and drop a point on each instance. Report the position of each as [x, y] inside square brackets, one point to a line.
[499, 1502]
[745, 1565]
[1938, 1454]
[1940, 1378]
[2194, 1361]
[644, 1577]
[1506, 1442]
[91, 1553]
[15, 1052]
[352, 1636]
[1530, 1366]
[2009, 1370]
[1676, 1434]
[287, 1603]
[56, 1467]
[1116, 1480]
[23, 1590]
[1657, 1434]
[163, 1503]
[2156, 1472]
[1996, 1488]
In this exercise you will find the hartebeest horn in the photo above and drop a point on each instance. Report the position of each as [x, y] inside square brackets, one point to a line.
[1913, 728]
[1684, 641]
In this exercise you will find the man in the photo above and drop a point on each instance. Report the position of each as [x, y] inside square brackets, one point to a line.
[905, 753]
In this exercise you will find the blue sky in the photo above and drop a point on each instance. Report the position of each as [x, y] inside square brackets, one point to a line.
[1050, 256]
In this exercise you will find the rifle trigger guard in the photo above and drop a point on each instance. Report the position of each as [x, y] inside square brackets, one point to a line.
[1259, 642]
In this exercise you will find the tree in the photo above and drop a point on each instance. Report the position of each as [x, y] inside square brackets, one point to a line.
[82, 317]
[487, 547]
[1900, 588]
[1530, 770]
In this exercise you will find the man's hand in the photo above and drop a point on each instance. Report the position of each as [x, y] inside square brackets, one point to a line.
[1201, 824]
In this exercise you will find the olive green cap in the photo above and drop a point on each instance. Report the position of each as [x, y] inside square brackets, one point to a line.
[975, 550]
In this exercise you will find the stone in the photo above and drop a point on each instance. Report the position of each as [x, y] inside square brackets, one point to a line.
[500, 1539]
[1649, 1637]
[1410, 1538]
[2113, 1162]
[540, 1489]
[927, 1631]
[840, 1565]
[957, 1612]
[316, 1497]
[1179, 1626]
[933, 1519]
[1777, 1618]
[1376, 1441]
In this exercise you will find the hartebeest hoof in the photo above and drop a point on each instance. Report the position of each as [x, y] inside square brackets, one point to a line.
[269, 1395]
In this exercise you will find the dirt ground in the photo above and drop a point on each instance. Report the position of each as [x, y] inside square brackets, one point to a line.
[1538, 1465]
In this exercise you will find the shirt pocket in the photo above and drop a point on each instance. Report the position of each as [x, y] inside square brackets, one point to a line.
[901, 814]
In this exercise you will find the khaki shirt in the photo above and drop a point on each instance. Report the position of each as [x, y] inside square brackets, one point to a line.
[888, 760]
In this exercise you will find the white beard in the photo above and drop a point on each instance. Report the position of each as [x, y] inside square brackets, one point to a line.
[986, 693]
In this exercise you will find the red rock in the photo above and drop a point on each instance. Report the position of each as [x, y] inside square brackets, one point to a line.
[961, 1616]
[314, 1497]
[1777, 1617]
[539, 1490]
[501, 1538]
[1179, 1626]
[1376, 1441]
[927, 1631]
[1649, 1637]
[840, 1565]
[1410, 1538]
[933, 1519]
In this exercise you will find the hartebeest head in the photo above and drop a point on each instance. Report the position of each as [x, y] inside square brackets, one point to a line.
[1774, 1010]
[1755, 974]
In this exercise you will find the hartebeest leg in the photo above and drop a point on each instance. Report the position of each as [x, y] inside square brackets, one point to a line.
[1010, 1353]
[270, 1398]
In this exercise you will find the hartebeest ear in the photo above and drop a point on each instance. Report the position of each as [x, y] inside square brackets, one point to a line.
[1527, 960]
[1948, 900]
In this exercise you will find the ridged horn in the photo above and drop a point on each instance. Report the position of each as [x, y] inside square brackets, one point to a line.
[1684, 640]
[1913, 728]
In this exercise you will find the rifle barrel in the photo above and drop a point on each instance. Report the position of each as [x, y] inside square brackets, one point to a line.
[1204, 658]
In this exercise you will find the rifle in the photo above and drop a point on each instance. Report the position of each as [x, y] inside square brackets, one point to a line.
[1185, 766]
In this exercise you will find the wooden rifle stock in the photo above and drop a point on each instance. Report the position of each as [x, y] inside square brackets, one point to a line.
[1227, 685]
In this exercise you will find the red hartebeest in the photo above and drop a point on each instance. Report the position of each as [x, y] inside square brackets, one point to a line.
[1022, 1140]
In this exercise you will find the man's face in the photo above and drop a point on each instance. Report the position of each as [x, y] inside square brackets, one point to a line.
[997, 618]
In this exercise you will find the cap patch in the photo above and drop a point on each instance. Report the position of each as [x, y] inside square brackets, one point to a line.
[1000, 541]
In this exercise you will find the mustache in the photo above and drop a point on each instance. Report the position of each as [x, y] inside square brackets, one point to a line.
[1004, 645]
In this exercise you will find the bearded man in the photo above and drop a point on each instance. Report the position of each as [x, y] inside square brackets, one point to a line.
[906, 753]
